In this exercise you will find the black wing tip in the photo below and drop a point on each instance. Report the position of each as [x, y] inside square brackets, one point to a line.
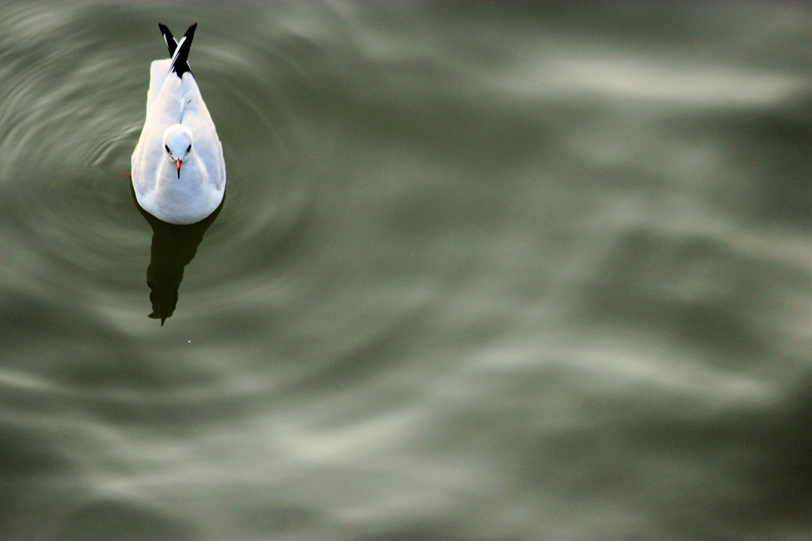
[169, 39]
[180, 64]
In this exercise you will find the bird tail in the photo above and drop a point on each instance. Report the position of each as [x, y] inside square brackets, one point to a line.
[180, 65]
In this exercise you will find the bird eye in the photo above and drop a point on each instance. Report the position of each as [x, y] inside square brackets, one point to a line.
[188, 148]
[167, 149]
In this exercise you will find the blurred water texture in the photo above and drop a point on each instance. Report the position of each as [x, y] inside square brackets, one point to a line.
[485, 271]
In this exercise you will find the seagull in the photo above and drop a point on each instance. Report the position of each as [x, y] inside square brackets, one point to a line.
[178, 171]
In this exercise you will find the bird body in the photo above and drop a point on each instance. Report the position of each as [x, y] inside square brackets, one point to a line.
[178, 171]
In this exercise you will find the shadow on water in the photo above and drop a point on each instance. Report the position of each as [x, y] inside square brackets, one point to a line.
[173, 247]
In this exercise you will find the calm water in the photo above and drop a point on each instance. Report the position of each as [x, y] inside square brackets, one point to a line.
[483, 272]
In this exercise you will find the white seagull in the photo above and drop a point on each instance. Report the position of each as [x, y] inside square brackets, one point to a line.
[178, 171]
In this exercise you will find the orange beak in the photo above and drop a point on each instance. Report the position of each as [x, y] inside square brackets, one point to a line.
[177, 164]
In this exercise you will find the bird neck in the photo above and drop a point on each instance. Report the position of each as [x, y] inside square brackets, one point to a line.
[190, 174]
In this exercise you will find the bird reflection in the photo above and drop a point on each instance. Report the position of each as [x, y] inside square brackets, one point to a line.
[173, 247]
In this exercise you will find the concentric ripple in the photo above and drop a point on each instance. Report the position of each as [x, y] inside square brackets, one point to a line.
[72, 115]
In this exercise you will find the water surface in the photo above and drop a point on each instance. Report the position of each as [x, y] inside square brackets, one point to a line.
[483, 272]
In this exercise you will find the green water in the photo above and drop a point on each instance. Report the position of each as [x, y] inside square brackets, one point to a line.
[484, 271]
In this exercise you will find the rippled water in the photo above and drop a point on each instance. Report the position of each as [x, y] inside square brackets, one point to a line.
[483, 272]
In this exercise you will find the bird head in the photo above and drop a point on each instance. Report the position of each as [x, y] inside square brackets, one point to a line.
[177, 144]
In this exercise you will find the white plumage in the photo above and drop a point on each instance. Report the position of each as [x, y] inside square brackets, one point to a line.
[178, 171]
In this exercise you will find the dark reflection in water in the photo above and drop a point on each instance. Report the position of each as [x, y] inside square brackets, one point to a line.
[173, 247]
